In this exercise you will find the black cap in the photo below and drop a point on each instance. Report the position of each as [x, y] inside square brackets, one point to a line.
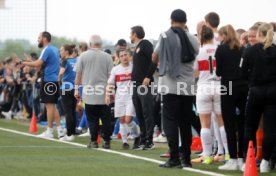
[121, 42]
[179, 15]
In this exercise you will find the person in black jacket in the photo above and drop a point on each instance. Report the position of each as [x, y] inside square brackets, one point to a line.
[142, 77]
[228, 56]
[260, 63]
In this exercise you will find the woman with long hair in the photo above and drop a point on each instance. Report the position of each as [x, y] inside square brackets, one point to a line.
[67, 88]
[208, 94]
[260, 63]
[233, 101]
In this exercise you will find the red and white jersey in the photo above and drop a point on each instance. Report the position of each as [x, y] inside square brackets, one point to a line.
[206, 64]
[121, 77]
[216, 39]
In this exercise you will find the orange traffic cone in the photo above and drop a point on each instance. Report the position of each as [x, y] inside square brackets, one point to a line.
[99, 139]
[196, 144]
[33, 126]
[250, 165]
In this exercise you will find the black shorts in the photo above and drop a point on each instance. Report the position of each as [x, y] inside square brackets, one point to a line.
[49, 92]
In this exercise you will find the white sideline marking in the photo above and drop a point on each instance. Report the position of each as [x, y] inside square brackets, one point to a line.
[37, 146]
[114, 152]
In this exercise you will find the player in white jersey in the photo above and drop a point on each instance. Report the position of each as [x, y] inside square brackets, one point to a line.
[208, 94]
[212, 21]
[120, 78]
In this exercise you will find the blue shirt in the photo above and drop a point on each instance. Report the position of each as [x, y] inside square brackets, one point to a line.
[50, 67]
[69, 75]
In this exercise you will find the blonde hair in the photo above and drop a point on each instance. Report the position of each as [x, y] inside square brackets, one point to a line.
[230, 36]
[266, 30]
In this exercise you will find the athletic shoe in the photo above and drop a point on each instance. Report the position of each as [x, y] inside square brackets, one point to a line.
[61, 133]
[106, 145]
[219, 158]
[243, 167]
[125, 146]
[165, 155]
[85, 134]
[114, 136]
[78, 131]
[149, 146]
[67, 138]
[171, 163]
[7, 115]
[136, 144]
[160, 139]
[208, 160]
[46, 134]
[240, 163]
[227, 157]
[93, 144]
[232, 165]
[185, 162]
[198, 160]
[264, 167]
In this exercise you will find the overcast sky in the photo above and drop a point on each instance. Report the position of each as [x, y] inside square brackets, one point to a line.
[112, 19]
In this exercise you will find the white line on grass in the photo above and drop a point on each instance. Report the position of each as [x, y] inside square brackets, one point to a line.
[114, 152]
[37, 146]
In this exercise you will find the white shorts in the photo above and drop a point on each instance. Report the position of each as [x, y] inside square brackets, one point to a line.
[208, 99]
[125, 108]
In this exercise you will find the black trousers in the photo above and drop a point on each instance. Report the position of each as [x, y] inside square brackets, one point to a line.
[93, 114]
[144, 110]
[261, 100]
[157, 111]
[69, 106]
[177, 116]
[233, 122]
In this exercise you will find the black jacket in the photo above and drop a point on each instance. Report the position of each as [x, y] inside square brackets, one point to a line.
[229, 64]
[142, 62]
[260, 64]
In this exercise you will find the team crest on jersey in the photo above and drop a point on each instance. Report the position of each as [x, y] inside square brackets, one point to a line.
[137, 50]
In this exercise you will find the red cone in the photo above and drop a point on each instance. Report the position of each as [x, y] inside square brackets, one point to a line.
[250, 165]
[33, 126]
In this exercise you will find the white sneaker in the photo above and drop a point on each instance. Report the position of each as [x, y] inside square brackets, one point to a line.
[67, 138]
[231, 164]
[160, 139]
[114, 136]
[46, 134]
[264, 167]
[8, 115]
[85, 134]
[243, 167]
[240, 164]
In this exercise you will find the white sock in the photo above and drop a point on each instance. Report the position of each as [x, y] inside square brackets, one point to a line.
[123, 132]
[224, 139]
[207, 141]
[50, 130]
[134, 129]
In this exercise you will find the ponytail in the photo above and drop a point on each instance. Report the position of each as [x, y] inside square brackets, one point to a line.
[69, 48]
[268, 39]
[267, 32]
[206, 34]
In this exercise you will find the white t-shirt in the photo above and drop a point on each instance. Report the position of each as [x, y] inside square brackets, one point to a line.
[207, 74]
[121, 77]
